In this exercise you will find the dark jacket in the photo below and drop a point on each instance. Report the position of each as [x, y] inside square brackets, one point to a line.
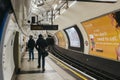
[50, 41]
[31, 44]
[41, 44]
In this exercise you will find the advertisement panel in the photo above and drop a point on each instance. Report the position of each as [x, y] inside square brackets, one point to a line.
[73, 37]
[104, 35]
[61, 39]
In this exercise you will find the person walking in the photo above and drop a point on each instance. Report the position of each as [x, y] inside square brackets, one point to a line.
[40, 46]
[50, 40]
[31, 45]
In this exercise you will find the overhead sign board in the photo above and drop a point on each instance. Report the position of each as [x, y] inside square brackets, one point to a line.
[44, 27]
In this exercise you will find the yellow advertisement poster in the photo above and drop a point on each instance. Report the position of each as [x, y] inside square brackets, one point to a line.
[104, 36]
[61, 39]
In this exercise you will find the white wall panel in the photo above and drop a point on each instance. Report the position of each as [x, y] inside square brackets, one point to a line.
[8, 60]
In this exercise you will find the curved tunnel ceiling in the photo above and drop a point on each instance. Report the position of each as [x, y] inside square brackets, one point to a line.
[44, 9]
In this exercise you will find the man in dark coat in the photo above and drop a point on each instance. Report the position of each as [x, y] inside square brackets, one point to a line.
[50, 40]
[40, 46]
[31, 45]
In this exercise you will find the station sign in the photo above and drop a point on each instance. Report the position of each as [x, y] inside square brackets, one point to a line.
[44, 27]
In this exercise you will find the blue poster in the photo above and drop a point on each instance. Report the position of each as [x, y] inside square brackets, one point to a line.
[5, 7]
[2, 25]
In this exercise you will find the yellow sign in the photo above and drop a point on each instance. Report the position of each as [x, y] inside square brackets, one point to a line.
[61, 39]
[104, 36]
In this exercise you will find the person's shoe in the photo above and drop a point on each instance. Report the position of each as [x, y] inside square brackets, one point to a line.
[43, 70]
[28, 60]
[38, 66]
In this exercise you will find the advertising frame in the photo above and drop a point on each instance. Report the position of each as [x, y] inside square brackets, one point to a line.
[81, 48]
[61, 39]
[103, 15]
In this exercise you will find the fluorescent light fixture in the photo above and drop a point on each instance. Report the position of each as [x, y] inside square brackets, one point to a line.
[72, 3]
[40, 3]
[101, 0]
[55, 6]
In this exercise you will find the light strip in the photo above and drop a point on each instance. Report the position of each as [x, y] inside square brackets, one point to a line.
[104, 0]
[72, 3]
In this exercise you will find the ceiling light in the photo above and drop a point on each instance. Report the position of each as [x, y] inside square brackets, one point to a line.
[55, 6]
[40, 3]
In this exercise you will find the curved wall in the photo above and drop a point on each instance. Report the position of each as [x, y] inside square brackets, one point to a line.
[75, 38]
[1, 45]
[81, 11]
[8, 61]
[61, 39]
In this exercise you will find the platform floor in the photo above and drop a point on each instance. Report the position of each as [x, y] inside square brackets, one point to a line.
[29, 71]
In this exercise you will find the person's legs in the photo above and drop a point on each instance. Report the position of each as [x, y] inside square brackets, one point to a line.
[43, 63]
[32, 53]
[39, 59]
[29, 55]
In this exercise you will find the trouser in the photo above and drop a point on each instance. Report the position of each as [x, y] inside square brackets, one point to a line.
[31, 54]
[41, 55]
